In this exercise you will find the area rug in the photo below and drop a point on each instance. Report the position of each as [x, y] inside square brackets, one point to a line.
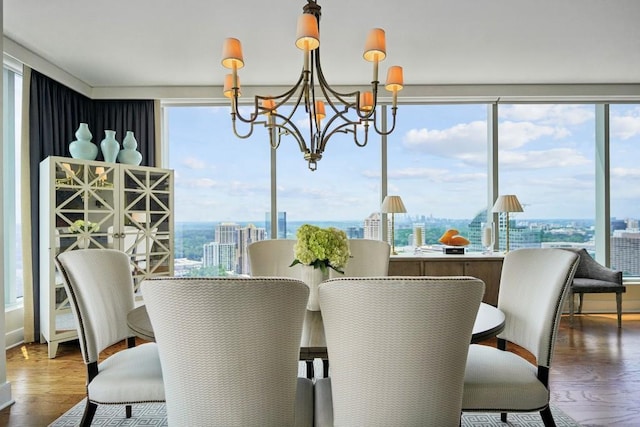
[153, 414]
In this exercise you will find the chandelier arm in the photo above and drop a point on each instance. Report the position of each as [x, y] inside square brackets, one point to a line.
[366, 135]
[393, 123]
[289, 128]
[235, 130]
[284, 97]
[235, 110]
[369, 113]
[322, 81]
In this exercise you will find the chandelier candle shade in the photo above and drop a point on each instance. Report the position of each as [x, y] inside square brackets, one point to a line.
[393, 205]
[328, 111]
[507, 203]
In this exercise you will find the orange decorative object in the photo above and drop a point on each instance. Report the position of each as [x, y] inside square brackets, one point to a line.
[452, 238]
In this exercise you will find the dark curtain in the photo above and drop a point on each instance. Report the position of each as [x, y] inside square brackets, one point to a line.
[122, 116]
[55, 112]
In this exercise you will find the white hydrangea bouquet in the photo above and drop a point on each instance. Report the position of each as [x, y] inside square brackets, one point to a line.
[82, 226]
[321, 248]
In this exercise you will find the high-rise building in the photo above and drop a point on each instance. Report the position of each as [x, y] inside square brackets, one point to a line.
[625, 251]
[246, 236]
[373, 226]
[226, 233]
[282, 225]
[227, 257]
[355, 232]
[211, 254]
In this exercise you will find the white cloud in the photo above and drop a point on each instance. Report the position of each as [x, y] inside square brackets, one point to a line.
[554, 158]
[193, 163]
[434, 175]
[517, 134]
[203, 183]
[625, 173]
[548, 114]
[464, 137]
[627, 126]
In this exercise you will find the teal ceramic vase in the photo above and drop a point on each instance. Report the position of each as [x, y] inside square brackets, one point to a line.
[109, 146]
[128, 154]
[82, 147]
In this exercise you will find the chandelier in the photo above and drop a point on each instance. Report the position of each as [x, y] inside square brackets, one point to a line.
[328, 111]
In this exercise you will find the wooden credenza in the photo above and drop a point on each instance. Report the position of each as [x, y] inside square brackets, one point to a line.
[485, 267]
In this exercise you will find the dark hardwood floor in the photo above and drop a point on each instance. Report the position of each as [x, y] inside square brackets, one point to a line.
[595, 377]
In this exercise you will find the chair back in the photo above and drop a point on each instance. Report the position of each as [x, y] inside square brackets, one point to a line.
[272, 258]
[230, 355]
[533, 286]
[398, 347]
[369, 258]
[100, 290]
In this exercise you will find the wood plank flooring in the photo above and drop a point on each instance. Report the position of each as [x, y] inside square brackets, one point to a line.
[595, 377]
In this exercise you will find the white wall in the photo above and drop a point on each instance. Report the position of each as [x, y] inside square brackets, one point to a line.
[5, 386]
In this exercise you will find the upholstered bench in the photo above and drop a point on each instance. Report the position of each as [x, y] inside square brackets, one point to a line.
[593, 277]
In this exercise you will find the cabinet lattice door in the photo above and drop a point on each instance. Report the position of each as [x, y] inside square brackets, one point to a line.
[88, 204]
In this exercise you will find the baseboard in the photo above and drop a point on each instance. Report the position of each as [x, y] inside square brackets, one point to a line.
[14, 338]
[5, 395]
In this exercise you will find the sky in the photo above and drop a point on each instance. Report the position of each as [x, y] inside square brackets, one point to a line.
[437, 158]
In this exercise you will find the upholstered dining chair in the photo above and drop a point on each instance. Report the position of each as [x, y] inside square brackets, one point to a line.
[398, 347]
[533, 286]
[100, 289]
[272, 258]
[231, 357]
[369, 258]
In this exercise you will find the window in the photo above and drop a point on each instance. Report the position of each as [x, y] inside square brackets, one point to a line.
[546, 155]
[437, 163]
[221, 183]
[342, 192]
[12, 108]
[625, 188]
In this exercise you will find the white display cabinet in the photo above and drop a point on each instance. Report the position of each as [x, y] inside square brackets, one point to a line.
[90, 204]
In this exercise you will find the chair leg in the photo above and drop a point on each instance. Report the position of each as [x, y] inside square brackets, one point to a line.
[503, 417]
[127, 411]
[547, 418]
[619, 307]
[89, 412]
[572, 304]
[580, 296]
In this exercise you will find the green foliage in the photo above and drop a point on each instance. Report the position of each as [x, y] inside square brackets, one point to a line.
[190, 238]
[218, 271]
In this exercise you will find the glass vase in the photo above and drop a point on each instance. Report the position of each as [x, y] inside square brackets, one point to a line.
[488, 237]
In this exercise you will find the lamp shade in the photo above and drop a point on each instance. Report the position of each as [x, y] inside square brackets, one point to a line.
[395, 79]
[308, 34]
[232, 53]
[507, 203]
[366, 101]
[375, 48]
[392, 204]
[228, 85]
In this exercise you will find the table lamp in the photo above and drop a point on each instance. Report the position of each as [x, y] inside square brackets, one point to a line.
[507, 203]
[393, 205]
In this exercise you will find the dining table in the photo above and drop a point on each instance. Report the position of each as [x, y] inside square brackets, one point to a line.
[489, 322]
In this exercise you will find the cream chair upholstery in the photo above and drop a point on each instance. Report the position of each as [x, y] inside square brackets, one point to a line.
[533, 286]
[398, 347]
[272, 258]
[230, 358]
[100, 289]
[369, 258]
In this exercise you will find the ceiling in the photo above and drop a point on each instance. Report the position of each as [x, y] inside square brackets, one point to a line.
[179, 43]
